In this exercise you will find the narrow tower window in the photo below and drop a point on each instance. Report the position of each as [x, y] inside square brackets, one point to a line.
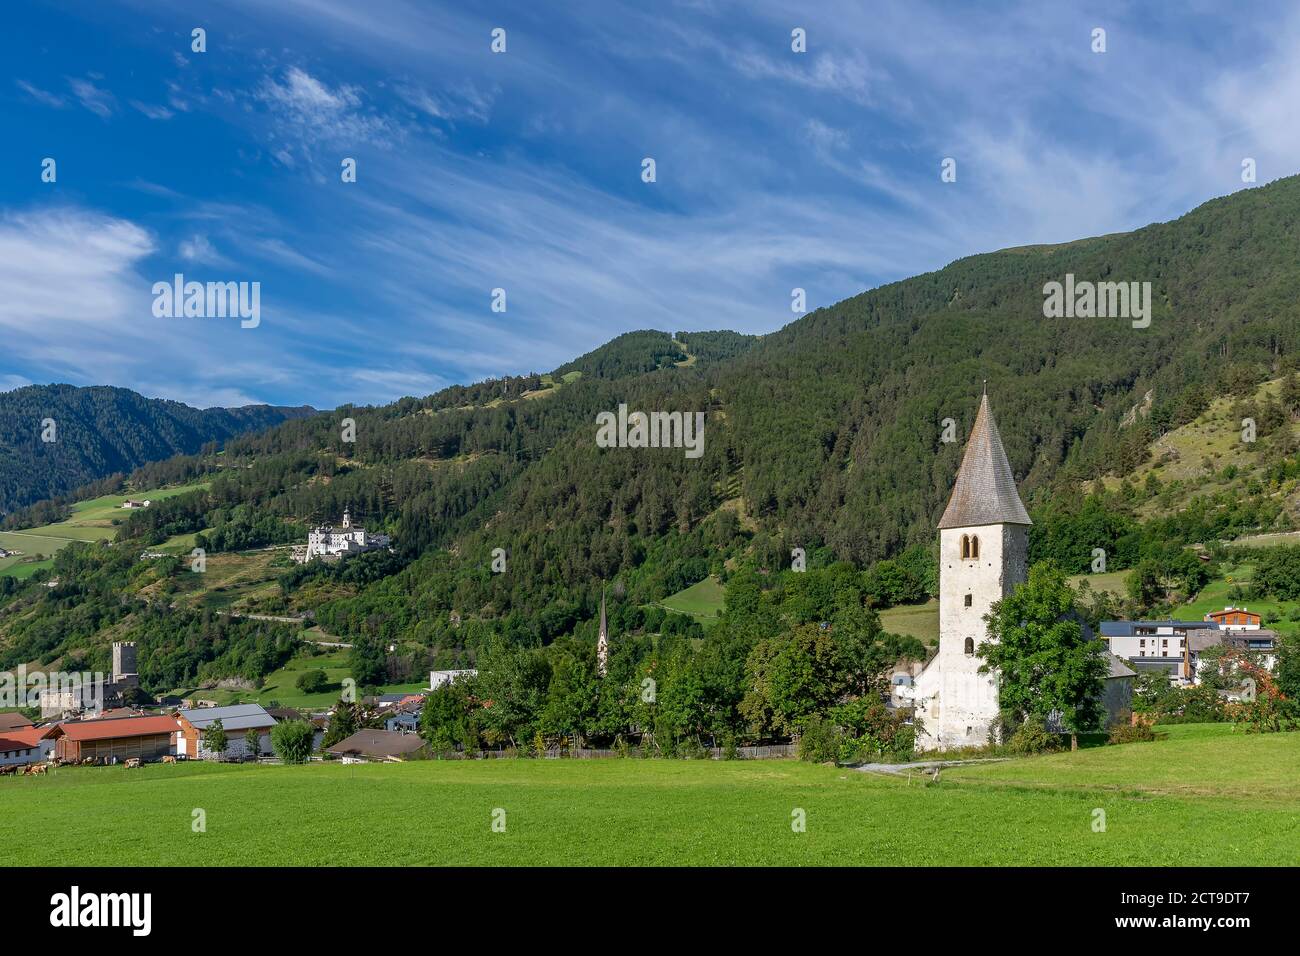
[968, 600]
[974, 547]
[970, 647]
[965, 547]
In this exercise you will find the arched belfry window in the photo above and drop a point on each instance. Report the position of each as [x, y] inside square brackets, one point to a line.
[974, 547]
[965, 547]
[970, 647]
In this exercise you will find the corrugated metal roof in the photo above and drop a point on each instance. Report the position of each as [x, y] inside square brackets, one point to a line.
[985, 490]
[83, 730]
[233, 717]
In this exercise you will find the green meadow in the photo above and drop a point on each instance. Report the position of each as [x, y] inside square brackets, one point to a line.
[281, 686]
[702, 601]
[1205, 796]
[91, 520]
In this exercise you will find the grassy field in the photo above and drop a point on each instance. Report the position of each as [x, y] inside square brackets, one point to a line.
[91, 520]
[702, 601]
[1112, 581]
[1205, 796]
[1214, 596]
[232, 579]
[281, 686]
[919, 620]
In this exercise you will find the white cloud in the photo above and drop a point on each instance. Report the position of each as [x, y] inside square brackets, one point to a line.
[66, 267]
[464, 102]
[307, 97]
[199, 249]
[42, 96]
[98, 101]
[153, 112]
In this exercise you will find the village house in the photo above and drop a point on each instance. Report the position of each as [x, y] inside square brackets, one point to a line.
[438, 678]
[405, 718]
[1178, 647]
[1235, 619]
[387, 701]
[132, 504]
[13, 720]
[376, 745]
[115, 740]
[25, 745]
[236, 720]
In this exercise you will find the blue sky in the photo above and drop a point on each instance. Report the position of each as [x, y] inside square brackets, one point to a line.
[521, 170]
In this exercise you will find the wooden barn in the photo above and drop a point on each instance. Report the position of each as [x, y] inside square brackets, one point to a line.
[149, 738]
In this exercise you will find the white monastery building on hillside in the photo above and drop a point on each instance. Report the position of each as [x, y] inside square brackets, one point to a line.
[330, 544]
[983, 556]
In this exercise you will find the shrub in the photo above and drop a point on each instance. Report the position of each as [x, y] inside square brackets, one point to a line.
[819, 742]
[1032, 737]
[690, 748]
[312, 681]
[291, 740]
[729, 749]
[1126, 731]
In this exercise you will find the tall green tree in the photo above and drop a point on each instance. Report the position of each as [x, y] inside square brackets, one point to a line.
[291, 740]
[214, 738]
[1045, 662]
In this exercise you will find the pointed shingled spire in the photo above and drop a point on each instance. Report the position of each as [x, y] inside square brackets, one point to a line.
[602, 642]
[985, 490]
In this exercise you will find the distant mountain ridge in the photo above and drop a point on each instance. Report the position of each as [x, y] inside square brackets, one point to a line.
[101, 430]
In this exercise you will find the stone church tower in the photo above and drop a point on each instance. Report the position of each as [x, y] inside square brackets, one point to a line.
[602, 641]
[983, 555]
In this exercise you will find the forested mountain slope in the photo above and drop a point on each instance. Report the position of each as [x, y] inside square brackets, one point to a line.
[100, 430]
[826, 435]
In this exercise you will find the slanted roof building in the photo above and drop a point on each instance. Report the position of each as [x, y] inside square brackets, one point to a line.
[115, 739]
[983, 557]
[377, 745]
[985, 490]
[236, 721]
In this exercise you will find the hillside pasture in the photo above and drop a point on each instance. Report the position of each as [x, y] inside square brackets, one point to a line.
[91, 520]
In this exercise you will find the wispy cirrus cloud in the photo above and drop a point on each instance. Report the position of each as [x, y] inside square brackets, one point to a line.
[522, 170]
[151, 111]
[99, 101]
[44, 97]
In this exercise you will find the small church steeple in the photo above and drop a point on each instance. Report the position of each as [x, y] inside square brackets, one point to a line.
[602, 641]
[985, 490]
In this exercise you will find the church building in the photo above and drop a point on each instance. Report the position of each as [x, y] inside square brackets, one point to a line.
[330, 544]
[983, 556]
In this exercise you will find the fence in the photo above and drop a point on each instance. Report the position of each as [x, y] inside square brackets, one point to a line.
[765, 752]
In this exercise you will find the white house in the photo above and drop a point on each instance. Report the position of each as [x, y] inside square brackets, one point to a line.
[25, 745]
[438, 678]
